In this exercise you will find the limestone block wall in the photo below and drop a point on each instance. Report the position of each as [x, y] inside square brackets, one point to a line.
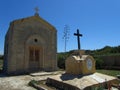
[77, 65]
[85, 69]
[21, 36]
[111, 62]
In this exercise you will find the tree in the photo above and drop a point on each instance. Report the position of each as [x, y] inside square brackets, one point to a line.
[1, 56]
[61, 60]
[99, 62]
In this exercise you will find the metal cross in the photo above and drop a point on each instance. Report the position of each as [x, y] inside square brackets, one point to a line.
[78, 38]
[36, 9]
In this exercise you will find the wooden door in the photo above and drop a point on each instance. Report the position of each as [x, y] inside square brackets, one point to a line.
[34, 58]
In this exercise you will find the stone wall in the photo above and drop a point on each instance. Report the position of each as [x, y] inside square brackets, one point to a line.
[21, 36]
[60, 85]
[111, 62]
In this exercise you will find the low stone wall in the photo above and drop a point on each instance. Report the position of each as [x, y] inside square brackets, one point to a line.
[61, 85]
[111, 62]
[35, 84]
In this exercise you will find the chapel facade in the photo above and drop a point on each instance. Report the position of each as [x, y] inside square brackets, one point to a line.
[30, 45]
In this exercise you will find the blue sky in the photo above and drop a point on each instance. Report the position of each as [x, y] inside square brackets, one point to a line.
[97, 20]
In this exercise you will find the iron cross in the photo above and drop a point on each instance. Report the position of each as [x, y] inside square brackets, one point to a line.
[78, 38]
[36, 9]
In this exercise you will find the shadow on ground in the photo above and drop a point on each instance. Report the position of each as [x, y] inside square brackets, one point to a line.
[66, 76]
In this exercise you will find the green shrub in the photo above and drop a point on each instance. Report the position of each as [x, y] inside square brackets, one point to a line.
[32, 82]
[1, 57]
[99, 62]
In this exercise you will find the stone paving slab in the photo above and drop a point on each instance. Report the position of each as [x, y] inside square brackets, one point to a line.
[83, 82]
[21, 82]
[46, 73]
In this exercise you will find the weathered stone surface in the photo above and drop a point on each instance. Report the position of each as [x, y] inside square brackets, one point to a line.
[79, 82]
[80, 64]
[30, 45]
[21, 82]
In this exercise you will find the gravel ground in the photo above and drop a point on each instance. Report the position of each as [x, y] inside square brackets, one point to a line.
[21, 82]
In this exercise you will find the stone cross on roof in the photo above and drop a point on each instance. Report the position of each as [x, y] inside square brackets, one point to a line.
[36, 11]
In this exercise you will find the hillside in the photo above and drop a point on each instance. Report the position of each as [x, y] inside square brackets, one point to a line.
[107, 50]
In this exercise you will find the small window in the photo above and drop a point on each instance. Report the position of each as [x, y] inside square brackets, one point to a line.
[35, 40]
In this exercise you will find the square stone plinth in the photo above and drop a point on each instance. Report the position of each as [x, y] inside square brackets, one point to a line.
[78, 82]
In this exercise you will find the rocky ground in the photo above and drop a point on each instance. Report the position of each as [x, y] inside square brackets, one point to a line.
[21, 82]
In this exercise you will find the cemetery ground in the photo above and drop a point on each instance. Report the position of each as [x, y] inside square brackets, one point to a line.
[21, 82]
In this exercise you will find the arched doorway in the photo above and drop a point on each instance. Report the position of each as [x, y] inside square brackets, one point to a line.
[34, 53]
[35, 57]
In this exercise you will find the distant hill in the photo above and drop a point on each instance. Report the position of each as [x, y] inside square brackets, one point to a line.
[107, 50]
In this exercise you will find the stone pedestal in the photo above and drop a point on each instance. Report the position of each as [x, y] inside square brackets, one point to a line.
[78, 63]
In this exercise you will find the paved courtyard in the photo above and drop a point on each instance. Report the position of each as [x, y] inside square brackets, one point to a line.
[21, 82]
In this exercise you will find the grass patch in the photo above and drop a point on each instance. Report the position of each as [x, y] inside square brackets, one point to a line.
[33, 82]
[109, 72]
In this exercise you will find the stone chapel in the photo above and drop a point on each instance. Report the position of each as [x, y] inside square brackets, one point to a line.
[30, 45]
